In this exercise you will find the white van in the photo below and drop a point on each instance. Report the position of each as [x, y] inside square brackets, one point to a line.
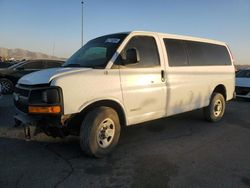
[124, 79]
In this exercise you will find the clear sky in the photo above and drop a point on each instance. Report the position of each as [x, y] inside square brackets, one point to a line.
[39, 25]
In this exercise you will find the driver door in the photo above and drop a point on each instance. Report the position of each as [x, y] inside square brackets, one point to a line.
[143, 84]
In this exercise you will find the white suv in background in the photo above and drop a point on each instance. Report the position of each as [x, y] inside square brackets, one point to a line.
[243, 84]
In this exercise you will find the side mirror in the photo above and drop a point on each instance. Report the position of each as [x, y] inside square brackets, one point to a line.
[132, 56]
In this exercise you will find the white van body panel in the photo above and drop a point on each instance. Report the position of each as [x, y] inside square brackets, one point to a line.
[141, 92]
[186, 88]
[80, 86]
[83, 88]
[144, 95]
[190, 88]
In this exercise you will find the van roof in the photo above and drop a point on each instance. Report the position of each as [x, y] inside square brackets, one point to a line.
[183, 37]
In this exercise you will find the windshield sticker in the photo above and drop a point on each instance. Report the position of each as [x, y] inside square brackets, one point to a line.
[112, 40]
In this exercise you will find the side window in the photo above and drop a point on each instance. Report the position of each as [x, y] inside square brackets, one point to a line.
[176, 52]
[34, 65]
[216, 54]
[195, 53]
[148, 52]
[202, 54]
[52, 64]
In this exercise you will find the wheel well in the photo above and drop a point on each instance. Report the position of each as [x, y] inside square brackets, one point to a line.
[75, 122]
[9, 78]
[222, 90]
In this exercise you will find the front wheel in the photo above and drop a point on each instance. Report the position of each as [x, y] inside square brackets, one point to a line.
[215, 111]
[100, 131]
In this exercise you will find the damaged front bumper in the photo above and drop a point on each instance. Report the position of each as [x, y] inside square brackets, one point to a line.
[51, 126]
[40, 106]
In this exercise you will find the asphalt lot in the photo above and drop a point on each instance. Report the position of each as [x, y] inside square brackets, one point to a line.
[180, 151]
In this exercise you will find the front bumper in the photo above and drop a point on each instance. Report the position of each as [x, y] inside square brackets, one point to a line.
[25, 119]
[51, 126]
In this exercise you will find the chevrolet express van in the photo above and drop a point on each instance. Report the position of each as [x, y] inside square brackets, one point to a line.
[124, 79]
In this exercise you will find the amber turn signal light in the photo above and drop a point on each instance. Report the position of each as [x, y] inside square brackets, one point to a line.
[44, 109]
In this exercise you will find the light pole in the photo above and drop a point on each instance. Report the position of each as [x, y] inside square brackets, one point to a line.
[82, 22]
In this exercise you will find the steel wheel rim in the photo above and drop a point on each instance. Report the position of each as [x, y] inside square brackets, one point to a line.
[105, 133]
[5, 86]
[218, 107]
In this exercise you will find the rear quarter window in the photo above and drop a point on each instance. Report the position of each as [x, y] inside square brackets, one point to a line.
[35, 65]
[202, 54]
[52, 64]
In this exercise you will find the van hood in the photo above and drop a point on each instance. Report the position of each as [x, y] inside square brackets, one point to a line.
[45, 76]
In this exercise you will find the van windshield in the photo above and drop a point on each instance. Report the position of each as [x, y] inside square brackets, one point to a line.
[96, 53]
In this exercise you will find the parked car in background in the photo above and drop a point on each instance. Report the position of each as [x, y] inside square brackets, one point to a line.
[4, 65]
[9, 76]
[0, 91]
[243, 83]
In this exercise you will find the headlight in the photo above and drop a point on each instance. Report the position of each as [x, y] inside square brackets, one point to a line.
[45, 96]
[50, 96]
[45, 101]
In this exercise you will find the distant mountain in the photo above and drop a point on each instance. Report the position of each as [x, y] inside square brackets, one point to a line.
[20, 54]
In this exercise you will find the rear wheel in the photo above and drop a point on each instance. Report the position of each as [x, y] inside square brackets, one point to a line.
[7, 86]
[215, 111]
[100, 131]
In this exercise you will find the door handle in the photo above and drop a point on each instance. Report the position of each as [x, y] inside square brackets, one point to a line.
[163, 76]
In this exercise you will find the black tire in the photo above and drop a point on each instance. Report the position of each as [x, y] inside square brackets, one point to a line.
[94, 136]
[7, 86]
[216, 109]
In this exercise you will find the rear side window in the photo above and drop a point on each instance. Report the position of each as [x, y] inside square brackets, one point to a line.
[216, 54]
[34, 65]
[52, 64]
[202, 54]
[148, 52]
[184, 53]
[176, 52]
